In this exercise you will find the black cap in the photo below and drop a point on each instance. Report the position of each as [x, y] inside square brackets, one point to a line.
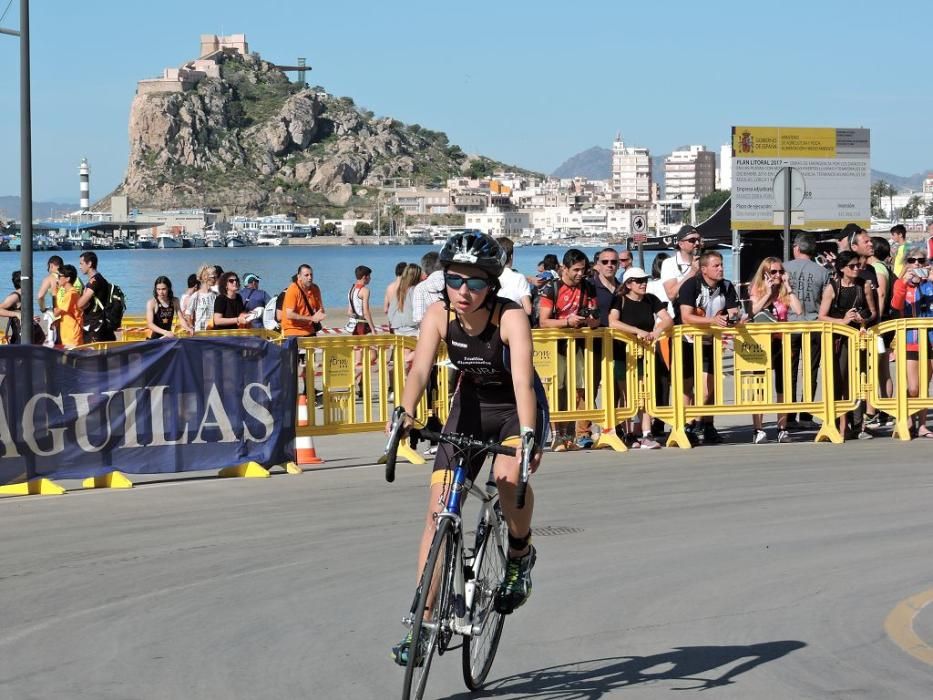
[849, 231]
[686, 230]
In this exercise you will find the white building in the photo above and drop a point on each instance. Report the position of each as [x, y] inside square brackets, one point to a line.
[724, 172]
[928, 184]
[689, 174]
[498, 222]
[631, 172]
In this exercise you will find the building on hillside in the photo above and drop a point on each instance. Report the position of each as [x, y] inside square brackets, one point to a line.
[631, 172]
[689, 174]
[415, 201]
[724, 171]
[928, 184]
[186, 77]
[498, 221]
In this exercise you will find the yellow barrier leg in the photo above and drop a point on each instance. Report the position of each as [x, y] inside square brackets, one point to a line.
[110, 480]
[247, 470]
[829, 432]
[405, 452]
[292, 468]
[608, 438]
[33, 487]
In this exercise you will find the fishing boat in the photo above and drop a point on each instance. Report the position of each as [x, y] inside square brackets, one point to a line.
[268, 237]
[167, 240]
[145, 240]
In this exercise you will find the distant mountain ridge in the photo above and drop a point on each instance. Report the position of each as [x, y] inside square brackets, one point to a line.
[10, 208]
[596, 164]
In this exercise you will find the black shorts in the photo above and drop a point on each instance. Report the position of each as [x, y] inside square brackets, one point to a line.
[488, 421]
[706, 361]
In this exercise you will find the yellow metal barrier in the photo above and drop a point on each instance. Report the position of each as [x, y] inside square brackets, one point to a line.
[902, 406]
[755, 347]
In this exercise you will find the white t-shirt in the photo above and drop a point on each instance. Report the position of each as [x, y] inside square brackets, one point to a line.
[674, 268]
[656, 287]
[514, 285]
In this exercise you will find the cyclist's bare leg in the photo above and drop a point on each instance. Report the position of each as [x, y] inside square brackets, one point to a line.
[519, 521]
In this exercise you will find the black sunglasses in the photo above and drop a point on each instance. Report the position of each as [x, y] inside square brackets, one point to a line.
[916, 260]
[608, 262]
[474, 284]
[691, 240]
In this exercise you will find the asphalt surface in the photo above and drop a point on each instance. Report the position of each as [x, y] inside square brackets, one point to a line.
[746, 571]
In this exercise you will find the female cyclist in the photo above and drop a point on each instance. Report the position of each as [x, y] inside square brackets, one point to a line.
[498, 396]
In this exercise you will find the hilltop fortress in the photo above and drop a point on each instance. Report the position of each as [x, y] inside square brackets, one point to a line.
[213, 51]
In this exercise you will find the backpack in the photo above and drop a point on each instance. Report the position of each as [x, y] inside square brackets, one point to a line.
[13, 329]
[113, 308]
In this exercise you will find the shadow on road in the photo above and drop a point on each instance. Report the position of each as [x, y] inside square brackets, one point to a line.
[589, 680]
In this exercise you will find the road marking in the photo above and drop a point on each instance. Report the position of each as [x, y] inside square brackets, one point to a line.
[899, 626]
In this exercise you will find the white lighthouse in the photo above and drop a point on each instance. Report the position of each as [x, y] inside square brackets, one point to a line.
[85, 173]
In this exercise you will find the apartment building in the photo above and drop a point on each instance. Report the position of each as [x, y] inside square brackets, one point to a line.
[689, 174]
[415, 200]
[631, 172]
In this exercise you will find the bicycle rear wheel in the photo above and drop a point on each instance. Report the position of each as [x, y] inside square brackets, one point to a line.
[436, 583]
[479, 651]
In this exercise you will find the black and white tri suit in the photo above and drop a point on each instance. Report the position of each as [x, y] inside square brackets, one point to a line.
[484, 404]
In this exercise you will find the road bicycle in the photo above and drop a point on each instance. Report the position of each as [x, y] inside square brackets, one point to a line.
[458, 585]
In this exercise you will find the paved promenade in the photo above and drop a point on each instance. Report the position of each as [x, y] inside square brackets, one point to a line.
[754, 571]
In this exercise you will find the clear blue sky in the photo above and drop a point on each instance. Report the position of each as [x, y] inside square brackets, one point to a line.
[529, 83]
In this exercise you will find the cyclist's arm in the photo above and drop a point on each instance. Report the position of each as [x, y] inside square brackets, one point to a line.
[429, 339]
[516, 334]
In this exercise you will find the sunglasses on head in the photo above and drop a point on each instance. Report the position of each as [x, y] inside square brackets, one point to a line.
[474, 284]
[916, 260]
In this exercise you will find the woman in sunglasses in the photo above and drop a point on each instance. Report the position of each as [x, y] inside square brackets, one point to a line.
[773, 299]
[643, 315]
[498, 397]
[847, 299]
[229, 310]
[912, 297]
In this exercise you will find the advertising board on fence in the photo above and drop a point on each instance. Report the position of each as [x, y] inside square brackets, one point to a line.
[831, 177]
[155, 407]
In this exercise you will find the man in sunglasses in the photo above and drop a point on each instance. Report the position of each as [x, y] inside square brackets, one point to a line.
[807, 279]
[625, 261]
[684, 263]
[570, 302]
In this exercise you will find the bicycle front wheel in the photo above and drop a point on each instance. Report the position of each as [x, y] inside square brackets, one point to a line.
[432, 611]
[479, 650]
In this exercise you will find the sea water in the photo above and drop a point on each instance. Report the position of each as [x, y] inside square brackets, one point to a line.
[136, 270]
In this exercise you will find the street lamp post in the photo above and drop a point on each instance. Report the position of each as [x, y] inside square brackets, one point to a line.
[25, 159]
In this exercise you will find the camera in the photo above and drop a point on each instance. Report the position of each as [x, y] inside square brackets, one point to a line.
[588, 313]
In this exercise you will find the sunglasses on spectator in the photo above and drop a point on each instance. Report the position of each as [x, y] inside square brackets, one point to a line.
[233, 281]
[638, 280]
[474, 284]
[692, 240]
[854, 266]
[609, 262]
[916, 260]
[777, 272]
[622, 260]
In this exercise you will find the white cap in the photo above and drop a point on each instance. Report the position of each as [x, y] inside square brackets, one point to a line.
[634, 273]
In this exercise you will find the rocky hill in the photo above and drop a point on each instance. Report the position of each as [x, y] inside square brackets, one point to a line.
[252, 141]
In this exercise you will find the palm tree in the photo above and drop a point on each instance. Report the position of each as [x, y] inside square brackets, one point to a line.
[396, 214]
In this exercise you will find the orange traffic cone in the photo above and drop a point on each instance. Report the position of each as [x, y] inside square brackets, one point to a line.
[304, 446]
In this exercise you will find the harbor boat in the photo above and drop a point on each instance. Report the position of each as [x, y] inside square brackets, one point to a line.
[145, 240]
[237, 240]
[193, 240]
[167, 241]
[213, 240]
[268, 237]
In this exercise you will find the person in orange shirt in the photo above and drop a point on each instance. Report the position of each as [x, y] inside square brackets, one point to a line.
[69, 315]
[303, 309]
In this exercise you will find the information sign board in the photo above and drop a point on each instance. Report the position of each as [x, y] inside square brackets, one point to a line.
[831, 177]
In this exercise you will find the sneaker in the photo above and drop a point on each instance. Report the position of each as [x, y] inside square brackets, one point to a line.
[516, 586]
[783, 436]
[657, 426]
[889, 421]
[760, 437]
[711, 436]
[649, 443]
[431, 451]
[584, 442]
[401, 650]
[692, 436]
[875, 421]
[865, 435]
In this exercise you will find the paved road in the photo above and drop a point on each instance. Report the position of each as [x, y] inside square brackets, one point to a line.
[755, 571]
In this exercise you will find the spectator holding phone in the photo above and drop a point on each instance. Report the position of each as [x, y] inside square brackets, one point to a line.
[570, 302]
[706, 299]
[913, 298]
[773, 299]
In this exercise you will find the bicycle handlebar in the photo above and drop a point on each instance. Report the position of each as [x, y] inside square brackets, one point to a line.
[465, 442]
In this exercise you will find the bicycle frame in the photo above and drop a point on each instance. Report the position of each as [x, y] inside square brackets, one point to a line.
[463, 588]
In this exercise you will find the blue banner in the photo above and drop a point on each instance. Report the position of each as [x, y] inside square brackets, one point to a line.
[154, 407]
